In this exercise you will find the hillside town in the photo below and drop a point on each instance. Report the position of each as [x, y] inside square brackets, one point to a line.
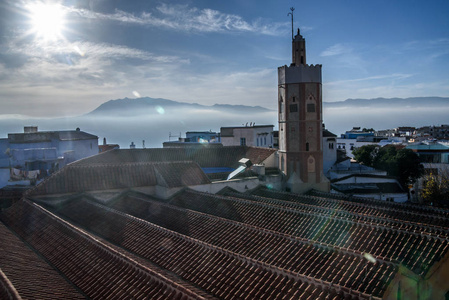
[248, 212]
[30, 157]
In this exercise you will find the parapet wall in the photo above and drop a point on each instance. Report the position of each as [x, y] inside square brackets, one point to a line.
[298, 74]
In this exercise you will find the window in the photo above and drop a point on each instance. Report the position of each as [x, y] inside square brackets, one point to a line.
[281, 105]
[310, 107]
[293, 108]
[294, 99]
[242, 141]
[307, 146]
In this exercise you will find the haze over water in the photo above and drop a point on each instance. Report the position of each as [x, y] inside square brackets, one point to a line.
[155, 128]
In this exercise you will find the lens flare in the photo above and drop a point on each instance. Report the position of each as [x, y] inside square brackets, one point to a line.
[160, 110]
[46, 20]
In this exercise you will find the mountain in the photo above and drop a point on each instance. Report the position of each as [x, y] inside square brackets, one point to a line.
[391, 102]
[148, 106]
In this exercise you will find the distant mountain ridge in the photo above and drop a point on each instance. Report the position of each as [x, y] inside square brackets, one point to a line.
[392, 102]
[146, 106]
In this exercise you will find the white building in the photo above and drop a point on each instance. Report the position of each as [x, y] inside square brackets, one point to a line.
[354, 179]
[329, 150]
[252, 135]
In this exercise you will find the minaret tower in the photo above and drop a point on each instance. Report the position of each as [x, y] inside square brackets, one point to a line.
[300, 122]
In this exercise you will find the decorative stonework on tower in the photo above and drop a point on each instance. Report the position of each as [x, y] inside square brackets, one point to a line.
[300, 122]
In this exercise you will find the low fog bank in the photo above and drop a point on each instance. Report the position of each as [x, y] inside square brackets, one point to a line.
[339, 120]
[156, 128]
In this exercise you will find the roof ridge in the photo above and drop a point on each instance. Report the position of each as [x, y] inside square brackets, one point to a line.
[99, 244]
[108, 164]
[7, 286]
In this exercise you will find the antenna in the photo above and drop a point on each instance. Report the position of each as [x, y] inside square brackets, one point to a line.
[170, 136]
[291, 14]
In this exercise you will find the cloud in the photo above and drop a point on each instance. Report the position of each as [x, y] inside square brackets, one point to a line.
[185, 18]
[371, 78]
[87, 74]
[336, 49]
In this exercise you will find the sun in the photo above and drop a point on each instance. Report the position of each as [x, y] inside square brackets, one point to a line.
[47, 20]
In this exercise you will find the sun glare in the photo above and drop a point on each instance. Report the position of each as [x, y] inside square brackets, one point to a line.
[47, 20]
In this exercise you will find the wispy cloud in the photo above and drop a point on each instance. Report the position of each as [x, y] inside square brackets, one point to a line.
[88, 49]
[336, 49]
[371, 78]
[185, 18]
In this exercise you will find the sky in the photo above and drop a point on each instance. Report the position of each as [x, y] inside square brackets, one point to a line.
[65, 58]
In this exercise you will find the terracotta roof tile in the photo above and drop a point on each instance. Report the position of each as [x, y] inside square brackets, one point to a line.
[220, 272]
[87, 263]
[93, 177]
[35, 277]
[327, 228]
[266, 246]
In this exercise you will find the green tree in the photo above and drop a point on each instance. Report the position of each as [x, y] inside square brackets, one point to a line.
[403, 163]
[409, 167]
[436, 189]
[368, 129]
[366, 154]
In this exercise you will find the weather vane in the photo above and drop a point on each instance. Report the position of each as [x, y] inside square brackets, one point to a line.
[291, 14]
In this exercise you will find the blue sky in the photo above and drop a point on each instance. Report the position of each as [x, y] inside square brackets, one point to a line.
[214, 51]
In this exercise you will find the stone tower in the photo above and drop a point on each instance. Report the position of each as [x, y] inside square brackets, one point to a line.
[300, 122]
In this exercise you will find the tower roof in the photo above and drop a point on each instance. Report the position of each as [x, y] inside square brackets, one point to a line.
[298, 37]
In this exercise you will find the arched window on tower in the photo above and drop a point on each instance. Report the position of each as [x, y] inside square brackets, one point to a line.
[310, 104]
[307, 146]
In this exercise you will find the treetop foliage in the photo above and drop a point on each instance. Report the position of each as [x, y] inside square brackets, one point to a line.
[399, 162]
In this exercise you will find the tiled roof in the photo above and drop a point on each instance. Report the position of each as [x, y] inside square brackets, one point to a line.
[98, 270]
[178, 174]
[111, 242]
[347, 230]
[206, 157]
[81, 178]
[369, 188]
[217, 271]
[33, 279]
[263, 245]
[327, 133]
